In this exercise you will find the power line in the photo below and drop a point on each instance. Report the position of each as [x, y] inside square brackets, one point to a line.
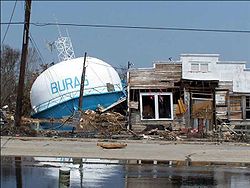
[43, 61]
[40, 24]
[9, 23]
[36, 48]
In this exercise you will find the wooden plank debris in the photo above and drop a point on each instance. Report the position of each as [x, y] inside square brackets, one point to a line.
[112, 145]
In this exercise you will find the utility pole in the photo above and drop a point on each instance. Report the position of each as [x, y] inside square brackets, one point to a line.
[128, 97]
[19, 100]
[1, 80]
[129, 64]
[80, 104]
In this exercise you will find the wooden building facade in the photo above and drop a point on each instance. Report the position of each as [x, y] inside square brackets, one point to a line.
[153, 95]
[229, 85]
[195, 92]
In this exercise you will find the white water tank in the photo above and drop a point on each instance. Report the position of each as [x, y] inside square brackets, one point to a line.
[61, 82]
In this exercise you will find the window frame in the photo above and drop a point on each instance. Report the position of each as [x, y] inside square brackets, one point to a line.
[193, 63]
[156, 99]
[200, 65]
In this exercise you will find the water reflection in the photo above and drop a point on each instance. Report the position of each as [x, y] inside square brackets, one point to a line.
[163, 176]
[18, 168]
[44, 172]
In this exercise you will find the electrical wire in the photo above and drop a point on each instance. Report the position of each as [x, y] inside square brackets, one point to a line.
[13, 10]
[140, 27]
[40, 24]
[36, 48]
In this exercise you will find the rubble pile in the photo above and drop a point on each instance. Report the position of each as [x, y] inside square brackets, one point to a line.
[169, 135]
[106, 123]
[6, 116]
[11, 130]
[227, 133]
[163, 134]
[91, 124]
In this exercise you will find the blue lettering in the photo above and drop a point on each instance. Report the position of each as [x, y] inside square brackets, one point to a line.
[53, 86]
[59, 85]
[66, 84]
[77, 83]
[86, 82]
[68, 81]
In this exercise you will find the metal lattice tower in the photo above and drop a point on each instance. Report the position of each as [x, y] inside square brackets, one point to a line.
[65, 48]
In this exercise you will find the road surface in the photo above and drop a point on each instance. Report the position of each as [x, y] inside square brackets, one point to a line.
[135, 149]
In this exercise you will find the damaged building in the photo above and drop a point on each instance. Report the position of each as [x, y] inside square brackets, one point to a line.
[199, 91]
[153, 95]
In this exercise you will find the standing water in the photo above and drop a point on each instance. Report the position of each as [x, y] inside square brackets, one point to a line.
[43, 172]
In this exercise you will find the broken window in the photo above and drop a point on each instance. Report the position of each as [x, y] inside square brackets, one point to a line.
[156, 106]
[164, 106]
[247, 107]
[148, 104]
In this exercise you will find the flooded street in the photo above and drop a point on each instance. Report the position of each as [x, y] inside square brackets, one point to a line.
[42, 172]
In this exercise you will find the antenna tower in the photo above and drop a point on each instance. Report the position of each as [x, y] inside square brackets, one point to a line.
[64, 47]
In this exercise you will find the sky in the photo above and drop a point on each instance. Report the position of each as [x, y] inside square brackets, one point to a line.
[141, 47]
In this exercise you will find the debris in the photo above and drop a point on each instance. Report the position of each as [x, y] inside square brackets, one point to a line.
[112, 125]
[229, 128]
[5, 107]
[147, 137]
[3, 118]
[11, 130]
[153, 131]
[169, 135]
[112, 145]
[227, 132]
[166, 133]
[181, 108]
[105, 123]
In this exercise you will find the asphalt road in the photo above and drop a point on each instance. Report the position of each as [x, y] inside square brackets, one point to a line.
[138, 150]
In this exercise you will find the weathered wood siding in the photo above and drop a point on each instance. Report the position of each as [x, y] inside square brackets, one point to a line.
[162, 75]
[178, 121]
[225, 85]
[222, 93]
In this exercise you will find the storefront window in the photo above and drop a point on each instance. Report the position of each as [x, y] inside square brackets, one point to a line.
[156, 106]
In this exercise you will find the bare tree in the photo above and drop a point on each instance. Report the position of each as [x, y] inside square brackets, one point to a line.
[32, 72]
[9, 60]
[122, 71]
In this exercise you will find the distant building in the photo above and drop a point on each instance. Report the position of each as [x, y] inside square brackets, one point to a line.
[197, 92]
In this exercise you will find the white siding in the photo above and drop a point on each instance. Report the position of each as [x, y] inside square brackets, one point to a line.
[223, 71]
